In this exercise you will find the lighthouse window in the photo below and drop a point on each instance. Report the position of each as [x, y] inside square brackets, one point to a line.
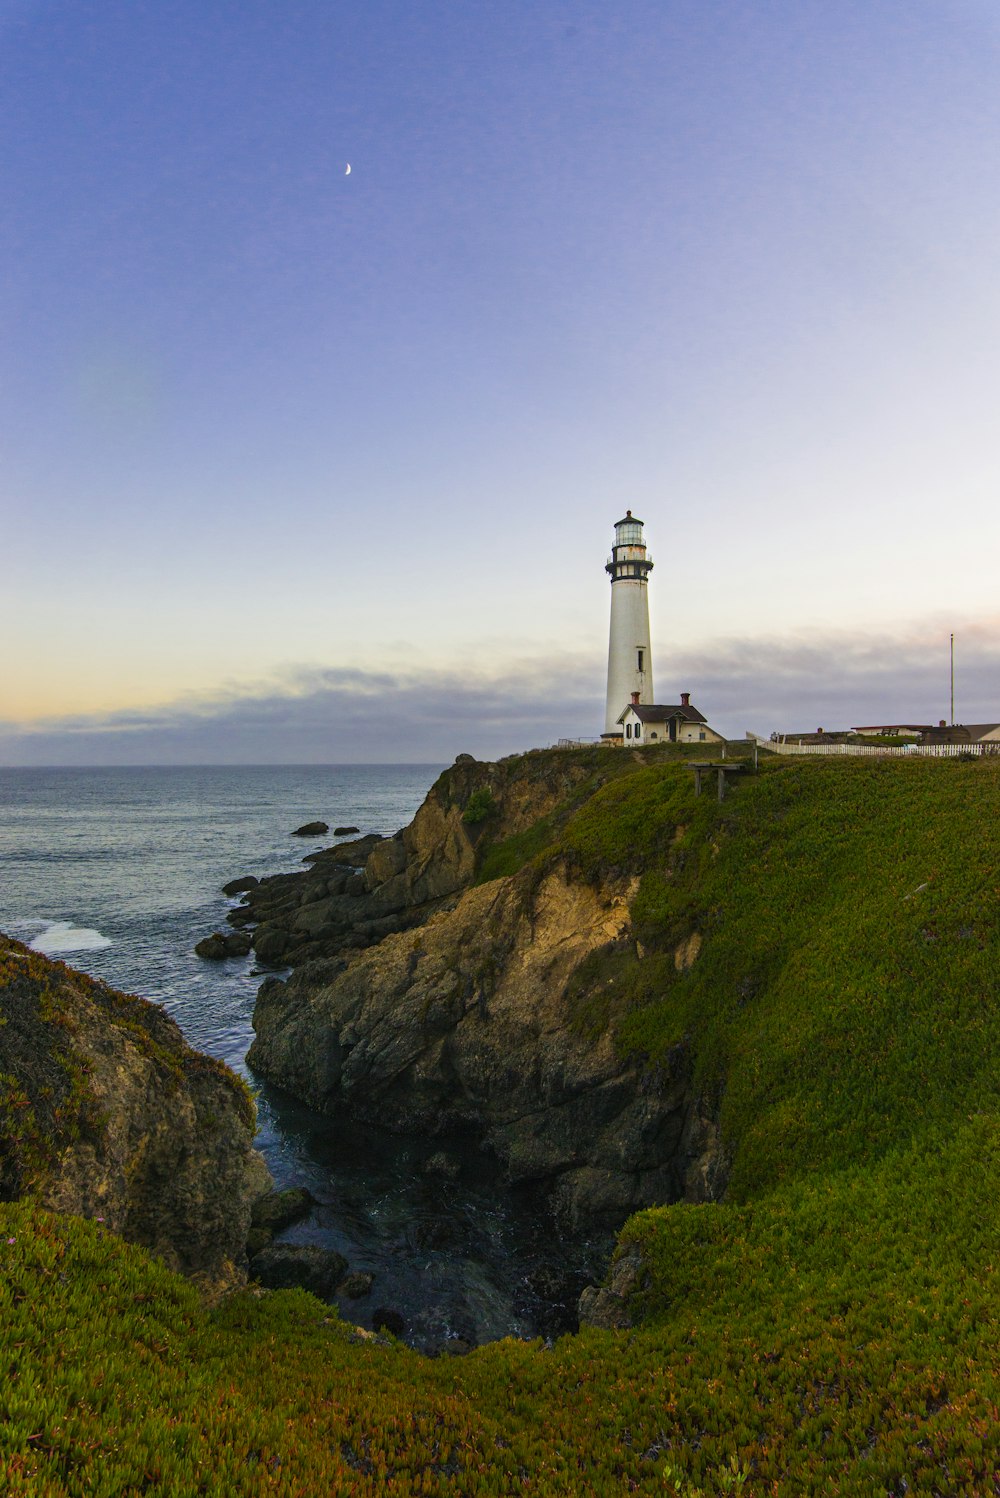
[639, 654]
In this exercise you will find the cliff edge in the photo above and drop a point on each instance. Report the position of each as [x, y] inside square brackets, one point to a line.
[471, 1015]
[106, 1112]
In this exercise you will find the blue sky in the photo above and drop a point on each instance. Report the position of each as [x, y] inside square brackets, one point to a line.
[339, 456]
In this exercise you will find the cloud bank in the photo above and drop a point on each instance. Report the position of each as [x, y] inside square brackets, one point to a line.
[343, 715]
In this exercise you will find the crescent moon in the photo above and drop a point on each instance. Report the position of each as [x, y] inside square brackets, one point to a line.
[348, 172]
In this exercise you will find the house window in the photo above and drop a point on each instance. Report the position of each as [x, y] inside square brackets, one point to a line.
[628, 730]
[639, 654]
[701, 735]
[638, 730]
[653, 735]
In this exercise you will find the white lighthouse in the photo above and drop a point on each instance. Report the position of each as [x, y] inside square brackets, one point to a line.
[630, 661]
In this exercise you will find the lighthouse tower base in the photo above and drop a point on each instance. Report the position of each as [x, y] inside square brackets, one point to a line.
[630, 661]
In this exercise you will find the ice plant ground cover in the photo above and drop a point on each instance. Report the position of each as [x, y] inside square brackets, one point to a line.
[833, 1327]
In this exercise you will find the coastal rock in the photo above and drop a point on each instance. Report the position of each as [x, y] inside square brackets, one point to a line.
[218, 946]
[303, 1266]
[238, 943]
[270, 943]
[118, 1118]
[425, 1004]
[357, 1285]
[442, 1164]
[353, 853]
[276, 1211]
[386, 1320]
[213, 947]
[467, 1025]
[241, 885]
[607, 1306]
[311, 829]
[345, 831]
[384, 885]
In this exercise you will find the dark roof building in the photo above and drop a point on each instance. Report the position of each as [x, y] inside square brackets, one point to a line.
[660, 714]
[961, 733]
[666, 723]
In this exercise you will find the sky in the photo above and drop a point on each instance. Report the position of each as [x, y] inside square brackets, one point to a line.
[302, 465]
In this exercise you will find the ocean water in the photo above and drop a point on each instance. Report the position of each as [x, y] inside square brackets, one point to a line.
[119, 872]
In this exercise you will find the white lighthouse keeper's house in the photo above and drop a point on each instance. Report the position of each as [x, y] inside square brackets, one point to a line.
[630, 660]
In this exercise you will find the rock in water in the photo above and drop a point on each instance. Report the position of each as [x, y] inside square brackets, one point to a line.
[311, 829]
[442, 1164]
[218, 946]
[241, 885]
[386, 1320]
[345, 831]
[277, 1210]
[122, 1120]
[357, 1285]
[303, 1266]
[212, 947]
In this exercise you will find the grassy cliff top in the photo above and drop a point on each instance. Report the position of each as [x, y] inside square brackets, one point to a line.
[823, 948]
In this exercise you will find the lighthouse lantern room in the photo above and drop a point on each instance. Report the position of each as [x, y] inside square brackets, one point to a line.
[630, 662]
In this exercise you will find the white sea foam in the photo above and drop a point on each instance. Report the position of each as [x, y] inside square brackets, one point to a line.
[63, 936]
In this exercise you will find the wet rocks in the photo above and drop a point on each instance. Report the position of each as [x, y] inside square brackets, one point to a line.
[276, 1211]
[442, 1164]
[221, 945]
[241, 885]
[270, 943]
[386, 1320]
[303, 1266]
[345, 831]
[311, 829]
[213, 947]
[356, 1285]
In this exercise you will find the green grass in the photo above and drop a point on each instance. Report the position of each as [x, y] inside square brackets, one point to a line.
[845, 996]
[833, 1328]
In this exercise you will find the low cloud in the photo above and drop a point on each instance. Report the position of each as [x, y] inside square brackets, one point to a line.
[343, 715]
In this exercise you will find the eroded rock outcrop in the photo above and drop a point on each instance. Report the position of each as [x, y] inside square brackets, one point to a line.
[354, 894]
[424, 1002]
[106, 1112]
[468, 1024]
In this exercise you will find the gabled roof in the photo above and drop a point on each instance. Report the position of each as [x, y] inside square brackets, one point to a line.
[661, 714]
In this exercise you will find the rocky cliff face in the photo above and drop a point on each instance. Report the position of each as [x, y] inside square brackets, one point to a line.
[354, 894]
[106, 1112]
[467, 1022]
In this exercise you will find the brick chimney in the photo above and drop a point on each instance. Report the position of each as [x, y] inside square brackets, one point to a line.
[942, 723]
[635, 699]
[685, 699]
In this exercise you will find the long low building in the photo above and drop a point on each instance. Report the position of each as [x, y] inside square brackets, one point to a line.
[962, 733]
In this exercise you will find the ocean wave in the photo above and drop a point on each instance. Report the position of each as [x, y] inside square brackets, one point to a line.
[63, 936]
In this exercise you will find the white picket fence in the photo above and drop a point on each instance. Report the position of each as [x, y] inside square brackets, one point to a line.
[882, 751]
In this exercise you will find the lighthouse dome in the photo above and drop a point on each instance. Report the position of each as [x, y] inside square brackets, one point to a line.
[628, 532]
